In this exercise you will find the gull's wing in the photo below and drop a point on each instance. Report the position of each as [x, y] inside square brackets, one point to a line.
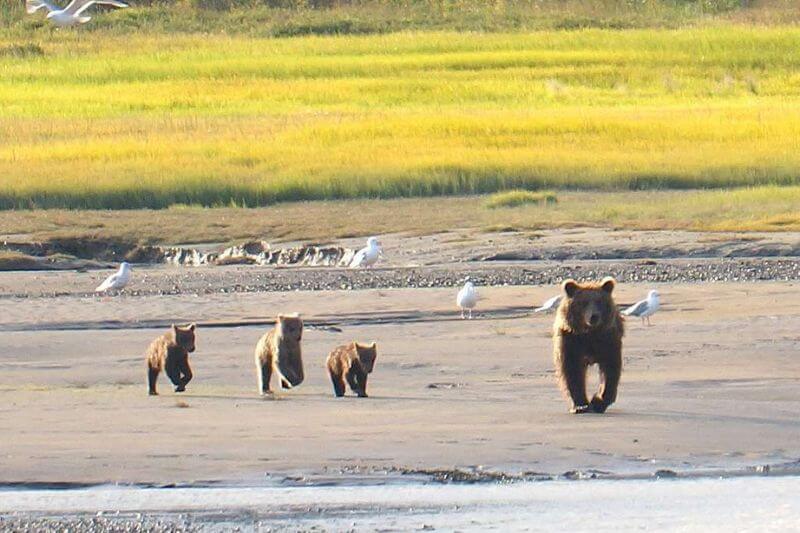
[76, 7]
[108, 283]
[467, 297]
[359, 258]
[32, 6]
[73, 7]
[549, 305]
[636, 309]
[460, 297]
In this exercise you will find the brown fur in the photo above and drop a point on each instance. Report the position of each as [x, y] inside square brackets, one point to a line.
[588, 330]
[170, 352]
[279, 350]
[352, 363]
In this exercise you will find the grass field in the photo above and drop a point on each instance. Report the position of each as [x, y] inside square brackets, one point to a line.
[107, 119]
[758, 209]
[287, 18]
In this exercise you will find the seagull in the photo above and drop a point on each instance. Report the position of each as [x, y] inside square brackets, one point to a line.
[467, 298]
[116, 281]
[70, 15]
[644, 308]
[366, 257]
[550, 305]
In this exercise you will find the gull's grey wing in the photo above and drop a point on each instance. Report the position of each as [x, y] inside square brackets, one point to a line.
[549, 305]
[107, 283]
[636, 309]
[359, 258]
[76, 7]
[32, 6]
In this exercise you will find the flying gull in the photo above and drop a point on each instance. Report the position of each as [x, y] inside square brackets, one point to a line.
[644, 309]
[116, 281]
[70, 15]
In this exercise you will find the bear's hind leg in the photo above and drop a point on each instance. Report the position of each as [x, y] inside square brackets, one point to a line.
[152, 378]
[264, 372]
[338, 384]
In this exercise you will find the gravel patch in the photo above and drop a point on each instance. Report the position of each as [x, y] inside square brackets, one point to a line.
[248, 279]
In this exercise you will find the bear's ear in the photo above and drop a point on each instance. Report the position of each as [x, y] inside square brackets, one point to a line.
[374, 345]
[570, 287]
[192, 326]
[608, 284]
[174, 328]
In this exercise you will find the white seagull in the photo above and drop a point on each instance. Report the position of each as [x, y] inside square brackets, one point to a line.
[366, 257]
[70, 15]
[467, 298]
[644, 309]
[116, 281]
[550, 305]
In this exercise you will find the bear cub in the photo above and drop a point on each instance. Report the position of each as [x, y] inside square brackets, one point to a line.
[588, 330]
[170, 352]
[278, 350]
[352, 363]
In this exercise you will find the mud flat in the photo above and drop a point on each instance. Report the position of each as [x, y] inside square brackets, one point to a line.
[712, 384]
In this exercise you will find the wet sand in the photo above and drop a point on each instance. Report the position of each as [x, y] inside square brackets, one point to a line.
[713, 384]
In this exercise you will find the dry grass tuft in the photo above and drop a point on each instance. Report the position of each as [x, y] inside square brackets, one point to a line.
[517, 198]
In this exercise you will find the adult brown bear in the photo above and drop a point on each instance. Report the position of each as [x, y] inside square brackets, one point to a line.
[588, 330]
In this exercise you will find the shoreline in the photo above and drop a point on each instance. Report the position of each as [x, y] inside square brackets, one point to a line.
[402, 476]
[730, 504]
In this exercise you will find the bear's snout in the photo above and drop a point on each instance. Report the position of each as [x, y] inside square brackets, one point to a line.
[593, 317]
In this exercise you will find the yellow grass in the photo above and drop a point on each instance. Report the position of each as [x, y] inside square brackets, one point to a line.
[224, 120]
[516, 198]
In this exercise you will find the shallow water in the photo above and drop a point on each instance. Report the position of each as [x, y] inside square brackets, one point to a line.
[730, 504]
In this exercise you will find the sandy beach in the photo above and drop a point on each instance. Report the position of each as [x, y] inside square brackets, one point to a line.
[464, 415]
[710, 385]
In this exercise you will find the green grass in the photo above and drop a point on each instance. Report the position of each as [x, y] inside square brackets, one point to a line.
[279, 18]
[768, 209]
[116, 116]
[517, 198]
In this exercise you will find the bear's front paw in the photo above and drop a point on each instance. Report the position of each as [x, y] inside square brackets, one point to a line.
[153, 393]
[180, 388]
[580, 409]
[598, 405]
